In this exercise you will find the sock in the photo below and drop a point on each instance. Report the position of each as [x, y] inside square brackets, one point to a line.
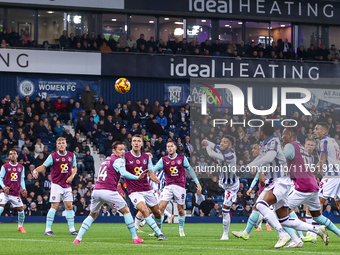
[293, 215]
[50, 219]
[143, 222]
[151, 222]
[309, 220]
[226, 221]
[159, 222]
[21, 218]
[153, 216]
[1, 210]
[322, 220]
[129, 223]
[292, 234]
[253, 218]
[270, 216]
[167, 214]
[84, 227]
[298, 224]
[260, 223]
[70, 220]
[181, 221]
[137, 221]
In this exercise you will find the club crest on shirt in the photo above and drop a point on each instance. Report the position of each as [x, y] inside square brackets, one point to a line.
[144, 161]
[137, 161]
[69, 159]
[179, 161]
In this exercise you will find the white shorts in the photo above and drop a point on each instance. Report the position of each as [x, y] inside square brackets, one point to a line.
[58, 192]
[310, 199]
[148, 197]
[175, 192]
[112, 198]
[280, 191]
[330, 187]
[15, 201]
[158, 197]
[230, 194]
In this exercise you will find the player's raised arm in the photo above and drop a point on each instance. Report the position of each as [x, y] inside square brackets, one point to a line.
[48, 162]
[23, 184]
[158, 166]
[212, 153]
[253, 183]
[2, 176]
[263, 160]
[192, 173]
[74, 170]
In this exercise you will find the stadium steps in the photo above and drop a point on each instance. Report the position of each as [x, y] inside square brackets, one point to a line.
[96, 157]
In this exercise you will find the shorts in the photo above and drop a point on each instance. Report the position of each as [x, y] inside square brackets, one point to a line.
[175, 192]
[158, 197]
[280, 191]
[112, 198]
[15, 201]
[148, 197]
[330, 187]
[58, 192]
[230, 194]
[310, 199]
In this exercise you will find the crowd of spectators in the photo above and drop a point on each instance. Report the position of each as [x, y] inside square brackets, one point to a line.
[282, 49]
[33, 126]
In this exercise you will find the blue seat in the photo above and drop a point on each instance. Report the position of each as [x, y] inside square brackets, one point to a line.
[220, 204]
[219, 198]
[51, 135]
[189, 205]
[205, 191]
[189, 197]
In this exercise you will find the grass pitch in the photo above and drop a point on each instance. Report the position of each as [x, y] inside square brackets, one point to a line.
[115, 238]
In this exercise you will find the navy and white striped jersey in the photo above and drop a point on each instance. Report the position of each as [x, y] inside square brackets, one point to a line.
[330, 146]
[160, 175]
[272, 161]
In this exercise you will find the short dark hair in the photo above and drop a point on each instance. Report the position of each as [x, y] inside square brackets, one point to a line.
[292, 130]
[138, 136]
[171, 142]
[116, 143]
[267, 129]
[324, 125]
[230, 138]
[12, 150]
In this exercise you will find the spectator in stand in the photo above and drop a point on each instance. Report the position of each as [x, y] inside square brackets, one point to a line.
[216, 211]
[333, 50]
[246, 211]
[234, 212]
[76, 110]
[323, 51]
[123, 41]
[206, 206]
[64, 40]
[162, 120]
[141, 41]
[197, 199]
[328, 213]
[81, 207]
[286, 48]
[151, 43]
[131, 42]
[58, 129]
[105, 48]
[87, 100]
[60, 110]
[312, 52]
[26, 37]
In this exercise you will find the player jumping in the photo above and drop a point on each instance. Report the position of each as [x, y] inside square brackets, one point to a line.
[63, 167]
[105, 191]
[174, 166]
[12, 177]
[227, 179]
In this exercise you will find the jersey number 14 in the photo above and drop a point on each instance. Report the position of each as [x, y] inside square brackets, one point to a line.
[102, 173]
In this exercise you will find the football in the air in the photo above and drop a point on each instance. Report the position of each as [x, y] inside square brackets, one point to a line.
[122, 85]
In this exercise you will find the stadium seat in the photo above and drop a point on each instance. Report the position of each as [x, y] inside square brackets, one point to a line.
[189, 197]
[219, 198]
[205, 191]
[220, 204]
[189, 205]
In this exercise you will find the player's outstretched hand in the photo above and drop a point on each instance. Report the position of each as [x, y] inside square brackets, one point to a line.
[199, 187]
[248, 192]
[143, 175]
[24, 192]
[6, 190]
[35, 174]
[204, 143]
